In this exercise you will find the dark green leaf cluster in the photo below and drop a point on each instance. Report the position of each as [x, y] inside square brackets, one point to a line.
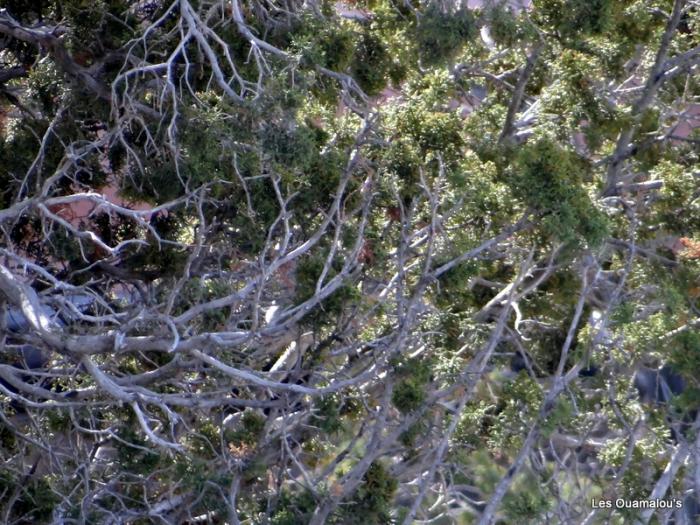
[307, 279]
[441, 32]
[573, 19]
[371, 64]
[293, 508]
[34, 501]
[409, 391]
[371, 502]
[548, 179]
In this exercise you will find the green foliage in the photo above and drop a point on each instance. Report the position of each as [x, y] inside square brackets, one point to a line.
[46, 86]
[402, 160]
[573, 19]
[294, 508]
[96, 25]
[197, 291]
[410, 437]
[623, 314]
[527, 504]
[685, 357]
[327, 414]
[409, 391]
[33, 501]
[135, 455]
[473, 425]
[426, 178]
[636, 22]
[488, 201]
[635, 482]
[426, 122]
[330, 46]
[249, 429]
[679, 210]
[482, 130]
[371, 63]
[574, 96]
[548, 179]
[520, 403]
[167, 259]
[408, 395]
[8, 440]
[507, 27]
[561, 415]
[454, 294]
[210, 485]
[442, 33]
[646, 335]
[307, 278]
[371, 502]
[289, 148]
